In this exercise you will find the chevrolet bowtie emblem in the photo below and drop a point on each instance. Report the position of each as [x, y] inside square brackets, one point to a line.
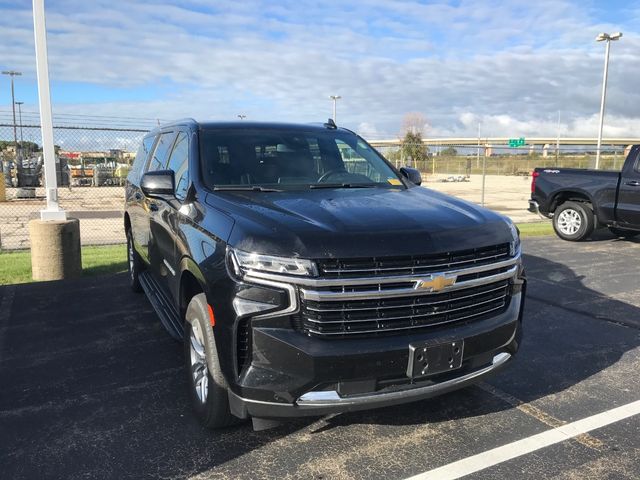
[436, 283]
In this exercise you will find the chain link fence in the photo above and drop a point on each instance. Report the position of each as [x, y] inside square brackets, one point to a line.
[92, 164]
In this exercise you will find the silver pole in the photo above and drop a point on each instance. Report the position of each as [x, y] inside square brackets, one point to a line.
[604, 94]
[335, 98]
[53, 210]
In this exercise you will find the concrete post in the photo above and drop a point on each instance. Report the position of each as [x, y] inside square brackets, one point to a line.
[55, 249]
[545, 150]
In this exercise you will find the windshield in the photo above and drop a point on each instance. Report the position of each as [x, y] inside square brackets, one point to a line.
[281, 159]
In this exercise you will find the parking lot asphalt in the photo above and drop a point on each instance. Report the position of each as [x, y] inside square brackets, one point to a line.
[92, 387]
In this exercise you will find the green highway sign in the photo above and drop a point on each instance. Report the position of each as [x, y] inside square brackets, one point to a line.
[516, 142]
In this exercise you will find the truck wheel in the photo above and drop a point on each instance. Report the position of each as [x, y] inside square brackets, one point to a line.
[208, 387]
[573, 221]
[135, 265]
[621, 233]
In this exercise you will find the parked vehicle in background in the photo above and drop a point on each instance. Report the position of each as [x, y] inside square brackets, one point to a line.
[579, 200]
[307, 276]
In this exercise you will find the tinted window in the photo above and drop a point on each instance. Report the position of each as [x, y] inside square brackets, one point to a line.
[159, 158]
[179, 163]
[290, 159]
[141, 156]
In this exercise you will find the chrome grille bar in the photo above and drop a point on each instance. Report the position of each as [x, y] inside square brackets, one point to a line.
[320, 295]
[411, 327]
[405, 305]
[412, 316]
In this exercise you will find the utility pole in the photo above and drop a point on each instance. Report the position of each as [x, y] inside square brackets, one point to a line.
[335, 98]
[13, 73]
[20, 121]
[604, 37]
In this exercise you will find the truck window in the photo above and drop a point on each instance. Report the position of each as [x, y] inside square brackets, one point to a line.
[142, 155]
[179, 163]
[158, 160]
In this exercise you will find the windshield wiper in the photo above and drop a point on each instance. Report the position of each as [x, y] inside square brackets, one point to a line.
[242, 188]
[343, 185]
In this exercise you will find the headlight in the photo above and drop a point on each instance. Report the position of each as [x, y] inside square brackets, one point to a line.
[245, 261]
[514, 245]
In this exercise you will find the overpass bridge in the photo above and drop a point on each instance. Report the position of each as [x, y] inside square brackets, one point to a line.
[488, 144]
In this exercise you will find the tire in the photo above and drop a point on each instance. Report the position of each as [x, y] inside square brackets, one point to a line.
[207, 386]
[135, 265]
[573, 221]
[621, 233]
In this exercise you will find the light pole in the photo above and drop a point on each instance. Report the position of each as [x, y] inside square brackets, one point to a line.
[242, 117]
[13, 73]
[604, 37]
[335, 98]
[20, 121]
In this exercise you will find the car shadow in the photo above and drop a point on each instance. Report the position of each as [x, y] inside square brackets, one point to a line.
[92, 386]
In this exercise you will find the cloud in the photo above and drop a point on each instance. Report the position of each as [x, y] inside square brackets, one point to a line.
[511, 65]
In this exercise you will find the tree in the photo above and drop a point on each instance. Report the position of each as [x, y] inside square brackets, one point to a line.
[449, 152]
[413, 151]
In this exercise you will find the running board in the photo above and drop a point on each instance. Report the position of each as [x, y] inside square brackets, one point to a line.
[169, 317]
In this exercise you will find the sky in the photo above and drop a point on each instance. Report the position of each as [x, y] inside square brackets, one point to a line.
[509, 66]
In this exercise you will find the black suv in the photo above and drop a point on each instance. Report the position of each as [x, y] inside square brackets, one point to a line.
[308, 276]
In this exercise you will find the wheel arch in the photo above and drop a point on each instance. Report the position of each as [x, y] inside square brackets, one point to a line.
[569, 196]
[192, 282]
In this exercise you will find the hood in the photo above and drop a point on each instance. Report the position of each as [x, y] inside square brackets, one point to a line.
[349, 223]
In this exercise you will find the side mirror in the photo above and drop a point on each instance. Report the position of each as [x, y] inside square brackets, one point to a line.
[411, 174]
[158, 184]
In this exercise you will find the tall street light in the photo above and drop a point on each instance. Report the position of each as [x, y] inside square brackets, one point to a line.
[335, 98]
[604, 37]
[20, 121]
[13, 73]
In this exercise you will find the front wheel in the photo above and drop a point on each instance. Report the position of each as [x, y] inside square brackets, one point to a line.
[573, 221]
[207, 385]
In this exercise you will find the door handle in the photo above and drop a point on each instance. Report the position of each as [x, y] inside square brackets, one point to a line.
[633, 183]
[153, 207]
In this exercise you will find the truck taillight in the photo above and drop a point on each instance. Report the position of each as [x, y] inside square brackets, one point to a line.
[534, 175]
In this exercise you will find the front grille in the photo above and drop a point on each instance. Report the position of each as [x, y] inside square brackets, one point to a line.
[408, 265]
[376, 316]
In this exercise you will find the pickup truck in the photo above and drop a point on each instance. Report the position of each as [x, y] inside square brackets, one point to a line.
[305, 275]
[580, 200]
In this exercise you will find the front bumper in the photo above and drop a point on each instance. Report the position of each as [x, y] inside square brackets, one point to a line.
[312, 377]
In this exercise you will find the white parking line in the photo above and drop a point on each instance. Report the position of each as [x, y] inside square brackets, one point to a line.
[501, 454]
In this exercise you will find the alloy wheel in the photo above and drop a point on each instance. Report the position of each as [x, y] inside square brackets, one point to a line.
[569, 221]
[199, 370]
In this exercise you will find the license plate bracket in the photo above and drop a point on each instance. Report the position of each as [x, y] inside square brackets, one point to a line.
[430, 359]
